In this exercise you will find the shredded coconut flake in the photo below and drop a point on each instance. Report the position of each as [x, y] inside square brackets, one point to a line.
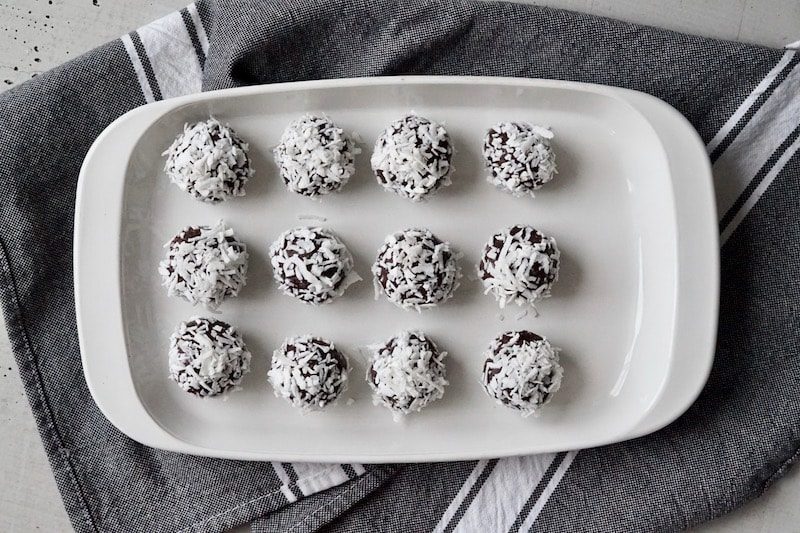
[209, 161]
[317, 218]
[308, 372]
[407, 373]
[416, 270]
[204, 265]
[312, 264]
[315, 157]
[519, 265]
[522, 371]
[412, 157]
[519, 157]
[207, 357]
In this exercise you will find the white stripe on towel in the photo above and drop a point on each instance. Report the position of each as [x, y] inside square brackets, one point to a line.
[759, 191]
[548, 491]
[748, 102]
[171, 52]
[285, 482]
[138, 68]
[198, 26]
[316, 477]
[460, 496]
[757, 141]
[500, 498]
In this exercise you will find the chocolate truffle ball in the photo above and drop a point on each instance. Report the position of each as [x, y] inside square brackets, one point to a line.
[522, 371]
[312, 264]
[519, 265]
[308, 372]
[314, 156]
[207, 357]
[204, 264]
[519, 157]
[407, 373]
[412, 157]
[209, 161]
[415, 269]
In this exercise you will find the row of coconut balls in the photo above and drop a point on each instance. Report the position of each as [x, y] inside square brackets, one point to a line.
[207, 357]
[412, 157]
[414, 269]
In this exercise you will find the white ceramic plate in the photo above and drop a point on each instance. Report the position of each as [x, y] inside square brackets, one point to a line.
[634, 311]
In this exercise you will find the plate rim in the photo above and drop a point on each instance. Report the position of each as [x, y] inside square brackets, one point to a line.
[140, 426]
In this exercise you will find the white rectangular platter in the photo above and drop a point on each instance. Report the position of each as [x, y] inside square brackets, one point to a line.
[634, 310]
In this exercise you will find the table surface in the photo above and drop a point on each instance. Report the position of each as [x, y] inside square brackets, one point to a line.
[38, 35]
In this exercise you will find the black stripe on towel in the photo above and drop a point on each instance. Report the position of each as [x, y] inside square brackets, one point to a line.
[759, 177]
[537, 492]
[722, 146]
[470, 496]
[290, 471]
[148, 67]
[350, 471]
[198, 49]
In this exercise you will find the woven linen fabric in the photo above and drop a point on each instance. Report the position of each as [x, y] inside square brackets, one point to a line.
[741, 434]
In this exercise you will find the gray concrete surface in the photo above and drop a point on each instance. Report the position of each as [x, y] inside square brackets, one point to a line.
[39, 34]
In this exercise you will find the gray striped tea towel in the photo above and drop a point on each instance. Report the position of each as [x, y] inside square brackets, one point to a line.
[739, 437]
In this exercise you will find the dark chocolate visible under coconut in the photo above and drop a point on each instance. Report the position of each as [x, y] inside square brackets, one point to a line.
[314, 156]
[522, 371]
[519, 157]
[519, 265]
[407, 373]
[308, 372]
[207, 357]
[204, 265]
[312, 264]
[209, 161]
[415, 269]
[412, 157]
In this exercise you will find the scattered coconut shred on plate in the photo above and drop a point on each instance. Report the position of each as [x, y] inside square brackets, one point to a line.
[407, 373]
[309, 216]
[204, 265]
